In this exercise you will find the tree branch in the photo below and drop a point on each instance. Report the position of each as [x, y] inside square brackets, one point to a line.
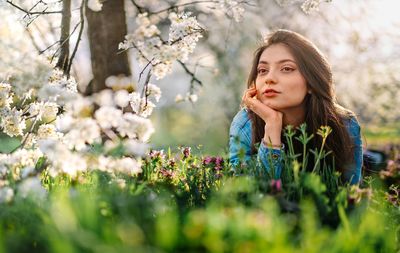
[32, 12]
[30, 35]
[82, 22]
[192, 74]
[64, 37]
[138, 7]
[181, 5]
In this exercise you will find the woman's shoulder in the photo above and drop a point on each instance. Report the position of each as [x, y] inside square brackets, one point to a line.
[241, 120]
[351, 123]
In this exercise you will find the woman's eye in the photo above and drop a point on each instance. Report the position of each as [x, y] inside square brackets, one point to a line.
[287, 69]
[261, 71]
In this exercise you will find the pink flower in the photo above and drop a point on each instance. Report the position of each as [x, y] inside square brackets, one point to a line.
[185, 152]
[276, 185]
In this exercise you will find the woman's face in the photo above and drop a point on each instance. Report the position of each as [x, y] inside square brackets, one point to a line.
[279, 83]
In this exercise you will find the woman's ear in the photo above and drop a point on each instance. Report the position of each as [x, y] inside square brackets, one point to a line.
[252, 85]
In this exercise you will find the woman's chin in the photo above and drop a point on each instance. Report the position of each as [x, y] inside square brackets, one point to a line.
[270, 104]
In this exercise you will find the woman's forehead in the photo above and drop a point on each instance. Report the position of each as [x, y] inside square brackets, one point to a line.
[276, 53]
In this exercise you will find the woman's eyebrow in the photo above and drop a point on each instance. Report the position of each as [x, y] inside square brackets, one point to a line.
[278, 62]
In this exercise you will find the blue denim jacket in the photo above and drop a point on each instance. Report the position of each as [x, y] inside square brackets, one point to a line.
[240, 141]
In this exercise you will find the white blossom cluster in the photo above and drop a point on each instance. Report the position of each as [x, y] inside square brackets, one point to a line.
[20, 165]
[233, 9]
[5, 95]
[82, 126]
[184, 34]
[57, 123]
[308, 6]
[59, 89]
[120, 82]
[189, 97]
[144, 106]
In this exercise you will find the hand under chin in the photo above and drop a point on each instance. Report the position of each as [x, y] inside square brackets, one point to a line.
[270, 105]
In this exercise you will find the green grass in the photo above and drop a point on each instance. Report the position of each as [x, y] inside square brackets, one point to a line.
[381, 135]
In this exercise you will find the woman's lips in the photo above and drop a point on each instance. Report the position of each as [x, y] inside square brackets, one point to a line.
[270, 93]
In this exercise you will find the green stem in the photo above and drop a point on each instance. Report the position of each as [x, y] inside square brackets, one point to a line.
[319, 154]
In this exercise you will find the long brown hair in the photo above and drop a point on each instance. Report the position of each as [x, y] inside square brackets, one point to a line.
[321, 106]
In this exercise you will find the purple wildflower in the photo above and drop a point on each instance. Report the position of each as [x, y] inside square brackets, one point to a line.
[207, 160]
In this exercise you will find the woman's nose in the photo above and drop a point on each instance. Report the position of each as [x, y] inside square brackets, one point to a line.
[270, 78]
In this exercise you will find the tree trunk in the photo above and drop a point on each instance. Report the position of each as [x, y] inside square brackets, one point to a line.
[63, 59]
[106, 29]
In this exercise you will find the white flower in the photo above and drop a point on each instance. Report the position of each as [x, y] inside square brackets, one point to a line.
[142, 19]
[108, 116]
[233, 9]
[104, 163]
[309, 6]
[46, 131]
[32, 187]
[128, 165]
[13, 123]
[154, 91]
[5, 96]
[145, 29]
[192, 97]
[141, 106]
[121, 98]
[84, 131]
[95, 5]
[6, 194]
[144, 129]
[81, 107]
[104, 98]
[133, 147]
[73, 164]
[135, 100]
[44, 110]
[50, 111]
[146, 108]
[25, 158]
[61, 158]
[134, 126]
[64, 122]
[161, 70]
[179, 98]
[119, 82]
[19, 160]
[184, 33]
[59, 89]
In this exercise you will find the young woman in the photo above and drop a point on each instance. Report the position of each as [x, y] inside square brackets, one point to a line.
[290, 83]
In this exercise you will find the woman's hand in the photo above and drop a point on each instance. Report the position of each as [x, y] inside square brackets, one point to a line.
[271, 117]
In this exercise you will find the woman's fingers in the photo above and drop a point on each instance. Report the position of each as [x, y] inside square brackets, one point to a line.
[262, 110]
[250, 93]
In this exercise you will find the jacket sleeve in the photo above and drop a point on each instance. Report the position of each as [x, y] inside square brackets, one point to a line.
[352, 173]
[240, 150]
[239, 145]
